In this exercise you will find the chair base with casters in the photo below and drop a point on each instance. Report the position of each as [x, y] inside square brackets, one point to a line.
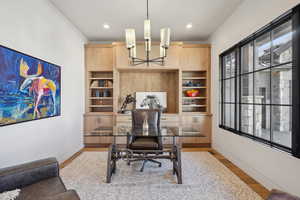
[145, 160]
[144, 143]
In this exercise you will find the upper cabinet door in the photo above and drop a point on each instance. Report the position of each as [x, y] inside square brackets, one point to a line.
[99, 56]
[195, 57]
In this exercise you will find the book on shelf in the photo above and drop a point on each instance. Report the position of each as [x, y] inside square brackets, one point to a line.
[94, 83]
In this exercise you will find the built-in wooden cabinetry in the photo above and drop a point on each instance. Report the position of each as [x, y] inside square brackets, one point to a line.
[110, 77]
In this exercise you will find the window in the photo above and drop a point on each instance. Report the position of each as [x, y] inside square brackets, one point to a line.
[257, 78]
[229, 82]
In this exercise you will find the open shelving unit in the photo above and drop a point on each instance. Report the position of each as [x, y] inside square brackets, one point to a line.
[100, 94]
[110, 78]
[194, 81]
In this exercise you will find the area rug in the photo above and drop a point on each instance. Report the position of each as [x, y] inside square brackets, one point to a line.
[204, 178]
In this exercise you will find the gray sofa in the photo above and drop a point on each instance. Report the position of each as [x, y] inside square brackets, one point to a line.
[37, 180]
[279, 195]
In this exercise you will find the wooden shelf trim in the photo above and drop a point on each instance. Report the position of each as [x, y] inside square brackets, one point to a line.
[100, 106]
[101, 87]
[202, 87]
[100, 98]
[99, 113]
[194, 106]
[194, 97]
[193, 78]
[102, 78]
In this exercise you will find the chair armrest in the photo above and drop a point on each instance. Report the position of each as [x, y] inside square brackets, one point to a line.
[26, 174]
[68, 195]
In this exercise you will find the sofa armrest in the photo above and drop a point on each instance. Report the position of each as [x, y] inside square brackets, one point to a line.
[279, 195]
[26, 174]
[68, 195]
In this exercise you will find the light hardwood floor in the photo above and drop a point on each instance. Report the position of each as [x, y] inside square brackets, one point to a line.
[252, 183]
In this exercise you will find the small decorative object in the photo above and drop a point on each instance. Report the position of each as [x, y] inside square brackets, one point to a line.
[192, 93]
[131, 44]
[106, 93]
[109, 83]
[198, 84]
[101, 83]
[151, 100]
[94, 84]
[29, 88]
[98, 93]
[188, 84]
[128, 100]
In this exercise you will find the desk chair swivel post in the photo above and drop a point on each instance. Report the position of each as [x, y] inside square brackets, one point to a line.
[145, 144]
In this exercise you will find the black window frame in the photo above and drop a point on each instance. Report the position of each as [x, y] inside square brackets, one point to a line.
[292, 15]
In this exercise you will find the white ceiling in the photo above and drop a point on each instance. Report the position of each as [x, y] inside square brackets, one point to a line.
[90, 15]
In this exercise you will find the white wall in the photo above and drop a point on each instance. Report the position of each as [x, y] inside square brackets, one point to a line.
[36, 28]
[270, 167]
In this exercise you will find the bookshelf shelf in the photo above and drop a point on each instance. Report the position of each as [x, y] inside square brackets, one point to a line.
[194, 97]
[194, 87]
[101, 106]
[100, 78]
[101, 98]
[100, 93]
[101, 88]
[194, 78]
[194, 105]
[194, 82]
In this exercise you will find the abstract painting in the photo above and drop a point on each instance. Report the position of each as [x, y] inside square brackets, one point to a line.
[30, 88]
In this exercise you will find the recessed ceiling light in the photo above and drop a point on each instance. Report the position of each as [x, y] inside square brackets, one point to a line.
[106, 26]
[189, 25]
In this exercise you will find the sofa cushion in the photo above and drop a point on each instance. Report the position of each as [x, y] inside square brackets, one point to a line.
[22, 175]
[42, 189]
[279, 195]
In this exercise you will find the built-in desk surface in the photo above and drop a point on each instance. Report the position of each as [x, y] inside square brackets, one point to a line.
[164, 131]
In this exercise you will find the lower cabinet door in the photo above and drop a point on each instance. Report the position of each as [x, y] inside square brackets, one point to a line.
[96, 141]
[200, 125]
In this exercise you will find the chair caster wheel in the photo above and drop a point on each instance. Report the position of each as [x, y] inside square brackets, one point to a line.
[159, 165]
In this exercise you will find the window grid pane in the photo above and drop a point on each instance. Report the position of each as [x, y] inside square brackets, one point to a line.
[257, 92]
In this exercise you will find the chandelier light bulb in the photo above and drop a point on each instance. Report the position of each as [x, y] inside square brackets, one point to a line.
[147, 29]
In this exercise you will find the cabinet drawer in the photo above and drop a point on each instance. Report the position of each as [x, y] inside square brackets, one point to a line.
[123, 118]
[169, 118]
[163, 118]
[94, 140]
[200, 124]
[195, 140]
[91, 122]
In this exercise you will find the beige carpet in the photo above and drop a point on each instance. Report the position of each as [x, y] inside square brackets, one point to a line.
[204, 178]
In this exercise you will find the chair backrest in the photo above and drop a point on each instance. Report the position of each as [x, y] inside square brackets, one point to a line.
[140, 115]
[153, 120]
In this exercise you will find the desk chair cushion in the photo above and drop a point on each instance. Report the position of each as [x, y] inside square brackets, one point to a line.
[144, 143]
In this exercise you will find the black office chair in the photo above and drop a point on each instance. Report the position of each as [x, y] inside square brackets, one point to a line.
[153, 141]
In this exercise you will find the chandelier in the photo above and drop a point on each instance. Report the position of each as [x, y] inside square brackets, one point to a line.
[131, 44]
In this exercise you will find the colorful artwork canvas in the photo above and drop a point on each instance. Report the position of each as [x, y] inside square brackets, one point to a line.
[30, 88]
